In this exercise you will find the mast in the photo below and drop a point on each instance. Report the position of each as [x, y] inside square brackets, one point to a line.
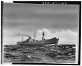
[22, 39]
[43, 35]
[34, 35]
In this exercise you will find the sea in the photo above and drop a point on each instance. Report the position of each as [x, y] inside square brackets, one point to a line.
[53, 54]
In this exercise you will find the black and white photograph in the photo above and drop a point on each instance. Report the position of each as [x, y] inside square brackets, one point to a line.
[41, 32]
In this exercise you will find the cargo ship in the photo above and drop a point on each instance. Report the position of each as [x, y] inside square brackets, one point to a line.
[33, 42]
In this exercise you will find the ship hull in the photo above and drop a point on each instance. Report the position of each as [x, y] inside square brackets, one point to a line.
[41, 42]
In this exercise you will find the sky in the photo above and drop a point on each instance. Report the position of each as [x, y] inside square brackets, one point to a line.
[56, 20]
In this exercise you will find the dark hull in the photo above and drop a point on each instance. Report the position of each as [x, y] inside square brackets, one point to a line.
[41, 42]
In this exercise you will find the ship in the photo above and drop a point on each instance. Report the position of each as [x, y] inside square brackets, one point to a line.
[33, 42]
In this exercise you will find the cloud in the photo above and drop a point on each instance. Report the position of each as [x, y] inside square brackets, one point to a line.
[47, 33]
[65, 37]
